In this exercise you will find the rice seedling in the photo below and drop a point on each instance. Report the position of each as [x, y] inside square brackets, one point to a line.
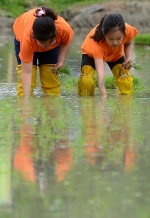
[62, 71]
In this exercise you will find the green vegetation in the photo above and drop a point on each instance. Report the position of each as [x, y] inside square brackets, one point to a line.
[142, 39]
[65, 71]
[14, 8]
[72, 81]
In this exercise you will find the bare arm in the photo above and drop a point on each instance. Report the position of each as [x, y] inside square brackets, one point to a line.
[100, 76]
[128, 50]
[63, 52]
[26, 77]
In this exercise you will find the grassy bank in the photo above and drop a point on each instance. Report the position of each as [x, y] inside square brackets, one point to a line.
[14, 8]
[142, 39]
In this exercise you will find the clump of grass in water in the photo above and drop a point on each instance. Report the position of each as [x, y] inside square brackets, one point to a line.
[109, 83]
[63, 71]
[137, 83]
[71, 82]
[109, 80]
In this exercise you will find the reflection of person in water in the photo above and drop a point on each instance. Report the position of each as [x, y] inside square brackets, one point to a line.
[64, 160]
[63, 153]
[121, 118]
[130, 157]
[23, 157]
[108, 131]
[24, 161]
[93, 121]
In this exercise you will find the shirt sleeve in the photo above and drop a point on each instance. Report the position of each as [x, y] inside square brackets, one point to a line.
[131, 32]
[64, 31]
[26, 51]
[66, 36]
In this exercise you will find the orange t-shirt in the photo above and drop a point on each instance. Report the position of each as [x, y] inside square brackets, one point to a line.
[23, 31]
[101, 50]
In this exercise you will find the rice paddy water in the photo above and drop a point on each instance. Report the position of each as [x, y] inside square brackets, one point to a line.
[71, 156]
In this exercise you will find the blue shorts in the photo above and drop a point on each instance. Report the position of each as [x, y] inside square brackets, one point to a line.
[39, 58]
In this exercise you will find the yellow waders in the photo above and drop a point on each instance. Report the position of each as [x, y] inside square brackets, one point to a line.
[86, 84]
[33, 83]
[123, 79]
[49, 81]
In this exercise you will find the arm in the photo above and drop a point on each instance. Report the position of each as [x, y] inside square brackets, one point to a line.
[63, 52]
[26, 77]
[99, 64]
[128, 50]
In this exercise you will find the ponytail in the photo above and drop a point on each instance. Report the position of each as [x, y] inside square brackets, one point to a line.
[99, 35]
[44, 25]
[45, 12]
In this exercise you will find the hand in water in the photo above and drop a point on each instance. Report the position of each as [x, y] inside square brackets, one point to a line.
[104, 96]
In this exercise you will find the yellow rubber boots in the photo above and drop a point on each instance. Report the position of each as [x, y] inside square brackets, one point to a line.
[123, 79]
[33, 83]
[49, 81]
[86, 84]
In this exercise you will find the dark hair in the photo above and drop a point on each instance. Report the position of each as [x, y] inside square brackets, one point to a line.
[44, 25]
[109, 22]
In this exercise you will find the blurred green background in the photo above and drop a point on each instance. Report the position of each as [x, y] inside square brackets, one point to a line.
[13, 8]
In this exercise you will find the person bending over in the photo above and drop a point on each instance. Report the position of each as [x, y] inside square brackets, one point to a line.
[109, 41]
[42, 38]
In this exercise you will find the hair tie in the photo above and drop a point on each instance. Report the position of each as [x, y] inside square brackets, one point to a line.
[41, 12]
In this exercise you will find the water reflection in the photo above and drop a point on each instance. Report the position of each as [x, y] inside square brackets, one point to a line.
[8, 61]
[67, 153]
[23, 157]
[108, 139]
[74, 157]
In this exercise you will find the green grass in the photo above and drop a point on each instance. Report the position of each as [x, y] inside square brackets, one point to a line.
[137, 83]
[142, 39]
[14, 8]
[72, 81]
[65, 71]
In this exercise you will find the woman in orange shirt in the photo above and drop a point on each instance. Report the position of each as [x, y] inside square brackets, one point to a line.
[42, 38]
[109, 41]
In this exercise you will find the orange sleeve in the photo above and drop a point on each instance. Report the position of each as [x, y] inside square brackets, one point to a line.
[64, 31]
[131, 32]
[92, 48]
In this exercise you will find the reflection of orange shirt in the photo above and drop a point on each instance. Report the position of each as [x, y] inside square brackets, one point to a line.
[23, 30]
[63, 162]
[130, 158]
[101, 50]
[23, 160]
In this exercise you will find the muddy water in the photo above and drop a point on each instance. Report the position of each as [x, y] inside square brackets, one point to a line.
[74, 157]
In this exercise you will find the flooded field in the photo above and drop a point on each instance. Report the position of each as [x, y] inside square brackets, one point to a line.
[71, 156]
